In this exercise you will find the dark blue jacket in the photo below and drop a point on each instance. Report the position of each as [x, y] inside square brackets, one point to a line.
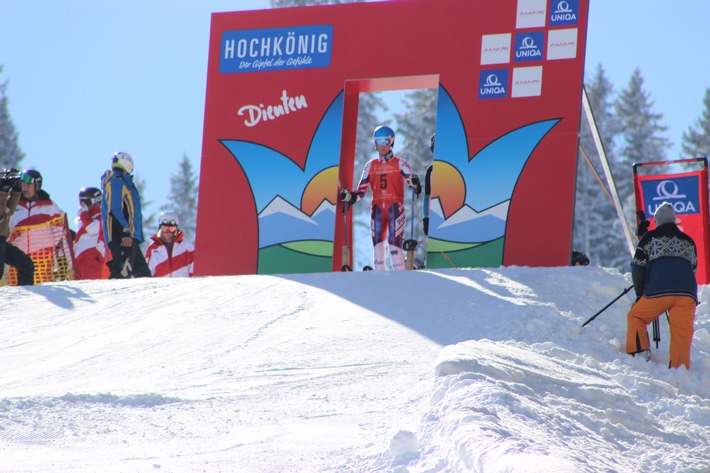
[120, 207]
[664, 264]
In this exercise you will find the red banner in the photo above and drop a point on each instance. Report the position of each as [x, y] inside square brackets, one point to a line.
[280, 127]
[688, 193]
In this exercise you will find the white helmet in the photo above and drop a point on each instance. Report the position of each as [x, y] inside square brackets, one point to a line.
[168, 218]
[122, 161]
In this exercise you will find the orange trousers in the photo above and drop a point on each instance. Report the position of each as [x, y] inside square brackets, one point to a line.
[681, 314]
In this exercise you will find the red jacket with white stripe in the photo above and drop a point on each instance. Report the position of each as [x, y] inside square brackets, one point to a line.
[176, 262]
[89, 235]
[34, 212]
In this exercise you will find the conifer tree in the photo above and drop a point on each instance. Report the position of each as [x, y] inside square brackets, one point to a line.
[641, 141]
[149, 219]
[414, 129]
[183, 197]
[696, 140]
[641, 134]
[10, 153]
[594, 211]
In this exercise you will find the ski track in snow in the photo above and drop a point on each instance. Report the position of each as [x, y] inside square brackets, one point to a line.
[484, 370]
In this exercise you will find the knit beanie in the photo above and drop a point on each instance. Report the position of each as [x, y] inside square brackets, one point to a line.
[664, 214]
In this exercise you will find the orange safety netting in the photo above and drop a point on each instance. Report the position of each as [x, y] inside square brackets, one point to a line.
[51, 248]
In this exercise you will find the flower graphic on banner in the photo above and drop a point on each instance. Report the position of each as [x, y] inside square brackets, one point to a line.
[296, 206]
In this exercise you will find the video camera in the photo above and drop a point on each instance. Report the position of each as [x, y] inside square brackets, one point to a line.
[9, 179]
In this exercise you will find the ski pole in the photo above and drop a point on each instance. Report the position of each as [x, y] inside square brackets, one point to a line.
[411, 244]
[656, 332]
[345, 253]
[411, 224]
[608, 305]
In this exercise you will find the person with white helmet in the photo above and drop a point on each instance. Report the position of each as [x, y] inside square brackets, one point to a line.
[89, 244]
[122, 219]
[170, 254]
[386, 176]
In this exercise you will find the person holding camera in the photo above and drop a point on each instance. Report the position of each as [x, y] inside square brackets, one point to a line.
[36, 227]
[10, 191]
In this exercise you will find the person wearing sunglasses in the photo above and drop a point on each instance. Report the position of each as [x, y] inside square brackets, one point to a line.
[386, 175]
[122, 219]
[169, 253]
[89, 244]
[37, 230]
[10, 191]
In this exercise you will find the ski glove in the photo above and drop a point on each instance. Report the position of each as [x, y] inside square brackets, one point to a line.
[348, 197]
[416, 185]
[643, 224]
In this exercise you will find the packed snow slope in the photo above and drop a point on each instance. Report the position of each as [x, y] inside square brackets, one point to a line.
[484, 370]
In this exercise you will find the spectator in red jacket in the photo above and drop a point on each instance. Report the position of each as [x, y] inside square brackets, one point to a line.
[89, 245]
[169, 253]
[39, 242]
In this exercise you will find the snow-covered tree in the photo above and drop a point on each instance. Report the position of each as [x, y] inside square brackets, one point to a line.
[10, 153]
[594, 233]
[414, 129]
[641, 133]
[183, 197]
[149, 219]
[696, 140]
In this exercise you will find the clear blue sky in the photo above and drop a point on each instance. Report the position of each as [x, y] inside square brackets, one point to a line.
[87, 78]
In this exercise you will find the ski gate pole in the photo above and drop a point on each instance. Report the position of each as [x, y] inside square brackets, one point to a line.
[345, 255]
[608, 305]
[411, 244]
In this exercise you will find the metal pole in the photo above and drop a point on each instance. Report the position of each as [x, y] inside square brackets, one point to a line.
[608, 305]
[607, 172]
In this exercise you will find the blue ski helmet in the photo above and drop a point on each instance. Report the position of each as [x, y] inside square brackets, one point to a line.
[383, 132]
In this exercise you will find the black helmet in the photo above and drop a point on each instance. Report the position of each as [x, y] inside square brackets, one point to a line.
[32, 176]
[579, 259]
[90, 196]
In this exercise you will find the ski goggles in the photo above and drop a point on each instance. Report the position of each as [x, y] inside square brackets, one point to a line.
[27, 178]
[382, 141]
[169, 228]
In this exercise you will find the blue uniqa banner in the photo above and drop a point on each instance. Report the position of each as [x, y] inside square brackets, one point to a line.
[681, 192]
[493, 84]
[564, 12]
[275, 49]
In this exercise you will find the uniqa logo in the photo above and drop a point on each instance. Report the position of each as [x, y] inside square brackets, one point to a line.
[668, 190]
[492, 85]
[258, 113]
[563, 12]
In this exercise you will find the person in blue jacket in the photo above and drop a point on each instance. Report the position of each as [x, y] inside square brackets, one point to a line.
[122, 219]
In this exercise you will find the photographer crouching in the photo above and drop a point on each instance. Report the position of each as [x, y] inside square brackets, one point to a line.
[10, 192]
